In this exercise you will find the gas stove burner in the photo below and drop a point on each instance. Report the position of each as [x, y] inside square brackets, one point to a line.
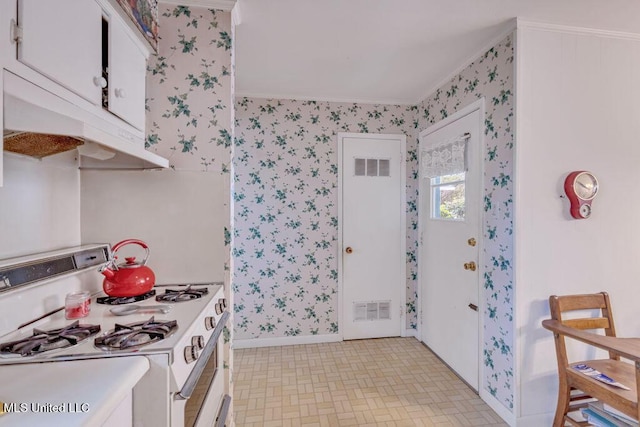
[181, 295]
[125, 337]
[42, 341]
[125, 300]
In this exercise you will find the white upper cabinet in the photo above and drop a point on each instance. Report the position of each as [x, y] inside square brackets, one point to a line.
[127, 71]
[62, 39]
[85, 46]
[76, 68]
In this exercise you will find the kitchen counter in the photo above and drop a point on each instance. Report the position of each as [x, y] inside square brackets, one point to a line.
[69, 393]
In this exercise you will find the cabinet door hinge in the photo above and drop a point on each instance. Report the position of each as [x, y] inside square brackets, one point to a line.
[16, 32]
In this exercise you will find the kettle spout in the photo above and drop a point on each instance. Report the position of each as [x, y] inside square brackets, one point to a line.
[106, 271]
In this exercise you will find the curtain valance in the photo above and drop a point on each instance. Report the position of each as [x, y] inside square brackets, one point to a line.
[445, 158]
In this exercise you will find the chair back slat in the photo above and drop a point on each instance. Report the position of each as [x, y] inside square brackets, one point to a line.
[566, 303]
[581, 302]
[588, 323]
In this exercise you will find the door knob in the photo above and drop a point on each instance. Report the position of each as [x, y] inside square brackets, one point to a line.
[101, 82]
[470, 266]
[471, 242]
[349, 250]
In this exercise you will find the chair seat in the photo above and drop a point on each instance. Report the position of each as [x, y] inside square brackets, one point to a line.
[622, 372]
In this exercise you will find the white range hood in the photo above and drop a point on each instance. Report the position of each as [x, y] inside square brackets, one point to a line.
[29, 108]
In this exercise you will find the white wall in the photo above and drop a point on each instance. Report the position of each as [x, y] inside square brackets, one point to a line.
[39, 204]
[181, 215]
[578, 108]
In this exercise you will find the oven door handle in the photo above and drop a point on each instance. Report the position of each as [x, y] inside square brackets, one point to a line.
[207, 351]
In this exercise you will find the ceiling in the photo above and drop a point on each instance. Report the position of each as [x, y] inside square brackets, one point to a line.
[387, 51]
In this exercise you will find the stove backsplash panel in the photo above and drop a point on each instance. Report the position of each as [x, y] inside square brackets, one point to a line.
[181, 215]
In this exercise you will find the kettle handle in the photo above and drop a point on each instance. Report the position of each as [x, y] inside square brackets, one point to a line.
[118, 245]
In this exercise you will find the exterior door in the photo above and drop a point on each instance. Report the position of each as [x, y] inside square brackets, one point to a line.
[372, 227]
[449, 218]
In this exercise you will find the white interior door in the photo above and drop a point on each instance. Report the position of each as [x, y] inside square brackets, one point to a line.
[372, 228]
[449, 216]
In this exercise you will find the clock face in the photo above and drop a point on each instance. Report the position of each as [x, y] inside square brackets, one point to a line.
[585, 186]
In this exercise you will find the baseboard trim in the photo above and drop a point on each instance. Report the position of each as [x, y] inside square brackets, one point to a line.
[502, 411]
[410, 332]
[535, 420]
[280, 341]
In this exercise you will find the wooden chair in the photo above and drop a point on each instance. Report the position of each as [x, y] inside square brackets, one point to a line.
[583, 386]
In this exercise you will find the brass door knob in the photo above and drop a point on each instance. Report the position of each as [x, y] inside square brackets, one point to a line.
[349, 250]
[471, 242]
[470, 266]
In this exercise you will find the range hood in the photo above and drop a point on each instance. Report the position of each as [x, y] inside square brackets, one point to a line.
[32, 110]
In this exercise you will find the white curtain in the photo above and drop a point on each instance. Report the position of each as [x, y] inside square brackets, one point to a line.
[445, 158]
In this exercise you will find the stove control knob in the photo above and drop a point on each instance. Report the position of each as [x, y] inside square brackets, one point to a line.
[223, 301]
[190, 353]
[198, 342]
[209, 322]
[219, 308]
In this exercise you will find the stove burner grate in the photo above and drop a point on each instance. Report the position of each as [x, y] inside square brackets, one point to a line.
[125, 300]
[125, 337]
[181, 295]
[42, 341]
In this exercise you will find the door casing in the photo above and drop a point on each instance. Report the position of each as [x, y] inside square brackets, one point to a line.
[402, 140]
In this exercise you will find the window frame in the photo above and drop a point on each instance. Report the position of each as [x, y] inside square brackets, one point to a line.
[435, 200]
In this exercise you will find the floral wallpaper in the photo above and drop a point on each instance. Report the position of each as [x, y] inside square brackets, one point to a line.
[286, 207]
[284, 172]
[190, 113]
[189, 104]
[491, 76]
[286, 211]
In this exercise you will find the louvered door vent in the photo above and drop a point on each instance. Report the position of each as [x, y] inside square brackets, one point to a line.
[372, 310]
[372, 167]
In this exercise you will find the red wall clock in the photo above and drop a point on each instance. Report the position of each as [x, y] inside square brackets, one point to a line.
[581, 187]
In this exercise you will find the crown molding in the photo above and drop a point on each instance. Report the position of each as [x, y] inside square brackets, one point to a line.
[346, 100]
[225, 5]
[569, 29]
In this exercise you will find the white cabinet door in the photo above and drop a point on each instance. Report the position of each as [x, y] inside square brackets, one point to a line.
[127, 72]
[62, 39]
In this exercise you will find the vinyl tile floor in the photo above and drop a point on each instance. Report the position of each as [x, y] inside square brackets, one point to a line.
[378, 382]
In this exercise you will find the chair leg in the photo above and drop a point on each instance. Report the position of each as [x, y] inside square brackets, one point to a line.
[564, 397]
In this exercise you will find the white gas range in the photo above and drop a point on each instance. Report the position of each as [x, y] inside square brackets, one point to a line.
[172, 348]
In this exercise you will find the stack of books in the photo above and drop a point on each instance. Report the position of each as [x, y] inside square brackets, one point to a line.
[602, 415]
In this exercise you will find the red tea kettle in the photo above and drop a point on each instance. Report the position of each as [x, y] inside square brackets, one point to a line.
[128, 279]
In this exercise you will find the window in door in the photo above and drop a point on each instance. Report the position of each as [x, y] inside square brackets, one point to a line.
[447, 197]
